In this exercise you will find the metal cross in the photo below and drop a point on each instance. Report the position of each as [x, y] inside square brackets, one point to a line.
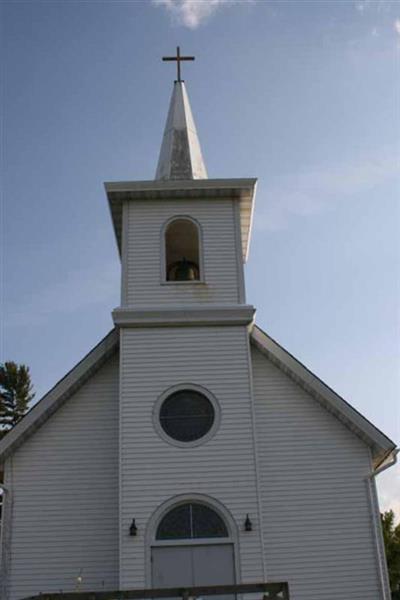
[178, 59]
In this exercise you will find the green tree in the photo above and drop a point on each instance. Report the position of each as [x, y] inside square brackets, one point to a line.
[15, 394]
[391, 537]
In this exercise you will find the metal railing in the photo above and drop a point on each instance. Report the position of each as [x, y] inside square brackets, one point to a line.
[269, 591]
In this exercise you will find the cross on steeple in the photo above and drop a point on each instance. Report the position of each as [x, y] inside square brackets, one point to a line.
[178, 59]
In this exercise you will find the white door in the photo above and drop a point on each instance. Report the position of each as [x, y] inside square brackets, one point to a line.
[175, 563]
[171, 566]
[213, 565]
[179, 566]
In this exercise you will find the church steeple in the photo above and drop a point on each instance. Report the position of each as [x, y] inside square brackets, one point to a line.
[180, 154]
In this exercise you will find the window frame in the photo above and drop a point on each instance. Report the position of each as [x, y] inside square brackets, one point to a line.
[163, 251]
[164, 507]
[179, 388]
[192, 537]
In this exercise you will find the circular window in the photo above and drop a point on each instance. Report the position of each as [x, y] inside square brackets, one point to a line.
[187, 415]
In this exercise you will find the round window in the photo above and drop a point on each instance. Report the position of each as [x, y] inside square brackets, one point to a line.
[186, 415]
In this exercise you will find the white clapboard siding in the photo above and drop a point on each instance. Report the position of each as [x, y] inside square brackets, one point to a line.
[65, 495]
[317, 525]
[152, 470]
[142, 271]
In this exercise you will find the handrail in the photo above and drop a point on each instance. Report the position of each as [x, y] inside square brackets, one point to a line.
[271, 591]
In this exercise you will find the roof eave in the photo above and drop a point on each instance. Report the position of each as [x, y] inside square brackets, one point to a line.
[63, 390]
[382, 448]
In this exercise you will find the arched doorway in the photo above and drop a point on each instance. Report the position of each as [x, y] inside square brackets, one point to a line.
[192, 545]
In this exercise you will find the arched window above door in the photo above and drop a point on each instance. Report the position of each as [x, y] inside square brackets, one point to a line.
[182, 250]
[191, 521]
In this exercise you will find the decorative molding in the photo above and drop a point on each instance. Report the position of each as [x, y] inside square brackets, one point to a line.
[160, 316]
[124, 253]
[256, 458]
[239, 258]
[154, 185]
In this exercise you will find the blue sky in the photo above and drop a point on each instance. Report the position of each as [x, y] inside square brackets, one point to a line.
[303, 95]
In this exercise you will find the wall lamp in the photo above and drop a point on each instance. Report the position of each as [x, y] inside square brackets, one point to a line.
[248, 525]
[133, 528]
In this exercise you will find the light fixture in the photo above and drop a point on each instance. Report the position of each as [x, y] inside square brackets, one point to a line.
[248, 525]
[133, 529]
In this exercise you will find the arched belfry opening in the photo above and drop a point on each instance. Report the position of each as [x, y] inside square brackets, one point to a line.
[182, 250]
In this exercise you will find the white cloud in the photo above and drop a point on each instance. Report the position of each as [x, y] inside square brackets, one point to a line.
[397, 26]
[320, 188]
[192, 13]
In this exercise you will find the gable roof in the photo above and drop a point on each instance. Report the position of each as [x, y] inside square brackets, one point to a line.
[50, 403]
[382, 448]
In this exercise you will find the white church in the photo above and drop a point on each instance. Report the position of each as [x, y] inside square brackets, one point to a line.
[188, 448]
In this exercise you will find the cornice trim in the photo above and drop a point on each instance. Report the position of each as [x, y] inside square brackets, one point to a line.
[242, 190]
[188, 316]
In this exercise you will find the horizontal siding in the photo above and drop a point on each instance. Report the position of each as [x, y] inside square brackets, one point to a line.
[65, 500]
[315, 516]
[142, 275]
[316, 519]
[154, 471]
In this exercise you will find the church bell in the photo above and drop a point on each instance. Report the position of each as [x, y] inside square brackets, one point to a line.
[183, 270]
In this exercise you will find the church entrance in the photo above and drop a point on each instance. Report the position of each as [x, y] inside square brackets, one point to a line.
[177, 566]
[192, 547]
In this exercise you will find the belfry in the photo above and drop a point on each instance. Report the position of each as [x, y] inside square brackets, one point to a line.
[188, 449]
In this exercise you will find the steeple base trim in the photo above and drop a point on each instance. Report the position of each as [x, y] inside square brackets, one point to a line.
[181, 317]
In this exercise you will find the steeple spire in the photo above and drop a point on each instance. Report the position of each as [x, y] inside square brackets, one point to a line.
[180, 154]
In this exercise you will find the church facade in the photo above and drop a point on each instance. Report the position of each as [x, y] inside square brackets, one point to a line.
[188, 447]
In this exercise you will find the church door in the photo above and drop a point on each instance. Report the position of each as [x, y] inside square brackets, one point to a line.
[192, 547]
[177, 566]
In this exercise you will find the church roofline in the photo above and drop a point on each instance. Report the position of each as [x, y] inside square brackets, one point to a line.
[51, 402]
[382, 447]
[241, 189]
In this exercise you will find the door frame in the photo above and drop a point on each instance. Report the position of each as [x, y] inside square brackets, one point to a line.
[166, 506]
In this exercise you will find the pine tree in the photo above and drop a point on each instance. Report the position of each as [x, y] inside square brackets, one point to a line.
[15, 394]
[391, 536]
